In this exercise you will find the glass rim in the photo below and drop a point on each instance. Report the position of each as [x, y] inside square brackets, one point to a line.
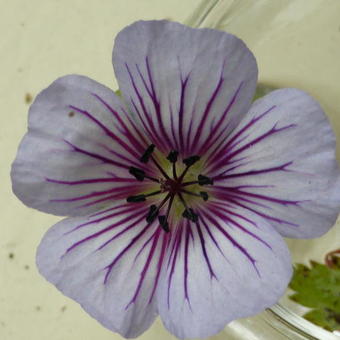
[298, 324]
[283, 315]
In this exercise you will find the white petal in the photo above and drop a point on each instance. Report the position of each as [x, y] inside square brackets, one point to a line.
[226, 267]
[109, 263]
[184, 84]
[75, 156]
[280, 163]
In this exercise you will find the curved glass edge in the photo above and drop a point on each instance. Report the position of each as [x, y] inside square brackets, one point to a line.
[284, 317]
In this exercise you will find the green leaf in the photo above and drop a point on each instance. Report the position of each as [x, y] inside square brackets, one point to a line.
[318, 287]
[324, 318]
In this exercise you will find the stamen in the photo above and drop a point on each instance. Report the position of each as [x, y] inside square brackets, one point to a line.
[164, 201]
[204, 195]
[139, 174]
[147, 154]
[173, 186]
[182, 200]
[169, 206]
[142, 197]
[190, 193]
[135, 199]
[163, 220]
[160, 168]
[191, 160]
[185, 184]
[190, 215]
[164, 223]
[172, 157]
[174, 172]
[204, 180]
[152, 214]
[153, 193]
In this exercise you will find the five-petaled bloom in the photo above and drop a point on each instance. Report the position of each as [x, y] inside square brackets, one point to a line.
[178, 192]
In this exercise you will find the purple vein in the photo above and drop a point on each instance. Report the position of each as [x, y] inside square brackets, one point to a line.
[127, 132]
[225, 145]
[232, 240]
[105, 230]
[281, 167]
[207, 111]
[95, 155]
[159, 265]
[153, 132]
[107, 131]
[214, 133]
[157, 107]
[186, 265]
[145, 269]
[252, 143]
[204, 251]
[121, 254]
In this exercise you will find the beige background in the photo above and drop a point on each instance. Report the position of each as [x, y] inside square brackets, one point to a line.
[297, 43]
[40, 41]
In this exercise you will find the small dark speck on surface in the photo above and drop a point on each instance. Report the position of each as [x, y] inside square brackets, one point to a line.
[11, 256]
[20, 69]
[71, 114]
[2, 324]
[28, 98]
[63, 308]
[37, 308]
[27, 267]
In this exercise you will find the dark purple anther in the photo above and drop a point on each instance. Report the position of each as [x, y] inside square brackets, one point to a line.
[152, 214]
[191, 160]
[172, 157]
[147, 154]
[164, 223]
[190, 215]
[136, 199]
[204, 180]
[139, 174]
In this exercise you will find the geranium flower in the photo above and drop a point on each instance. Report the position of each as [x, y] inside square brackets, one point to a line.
[178, 192]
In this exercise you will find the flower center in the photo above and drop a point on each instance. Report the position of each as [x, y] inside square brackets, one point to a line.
[174, 186]
[171, 185]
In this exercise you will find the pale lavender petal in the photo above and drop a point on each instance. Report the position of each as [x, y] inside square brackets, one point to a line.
[184, 84]
[79, 146]
[229, 265]
[110, 263]
[280, 164]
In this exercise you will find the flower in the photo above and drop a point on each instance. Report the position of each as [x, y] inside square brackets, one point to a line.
[179, 191]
